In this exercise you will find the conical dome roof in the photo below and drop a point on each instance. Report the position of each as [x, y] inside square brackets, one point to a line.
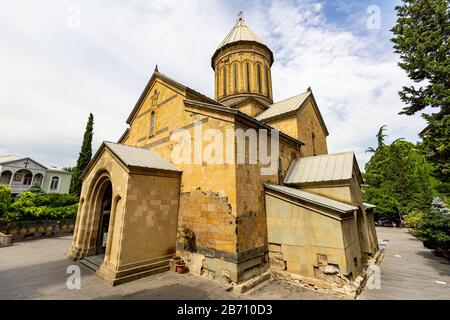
[240, 32]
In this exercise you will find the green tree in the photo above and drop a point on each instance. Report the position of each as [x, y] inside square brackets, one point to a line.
[83, 158]
[5, 200]
[397, 180]
[422, 38]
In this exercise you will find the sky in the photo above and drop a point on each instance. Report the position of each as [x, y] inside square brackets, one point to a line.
[61, 60]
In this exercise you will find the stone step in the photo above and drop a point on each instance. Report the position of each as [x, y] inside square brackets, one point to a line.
[142, 274]
[90, 265]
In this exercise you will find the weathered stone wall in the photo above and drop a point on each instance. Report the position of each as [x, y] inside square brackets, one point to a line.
[250, 108]
[251, 211]
[151, 218]
[287, 125]
[310, 131]
[301, 237]
[208, 216]
[304, 126]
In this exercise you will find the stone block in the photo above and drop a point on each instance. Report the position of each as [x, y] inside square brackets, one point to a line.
[5, 240]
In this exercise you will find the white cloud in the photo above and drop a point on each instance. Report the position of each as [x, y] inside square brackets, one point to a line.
[353, 74]
[53, 76]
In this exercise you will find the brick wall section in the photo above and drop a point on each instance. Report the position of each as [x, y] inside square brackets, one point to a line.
[208, 216]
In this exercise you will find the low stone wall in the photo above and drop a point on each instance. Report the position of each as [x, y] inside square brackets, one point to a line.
[5, 240]
[29, 230]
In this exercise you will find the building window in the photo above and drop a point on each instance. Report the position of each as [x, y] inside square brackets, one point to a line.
[27, 179]
[258, 75]
[38, 179]
[268, 81]
[152, 124]
[54, 184]
[224, 80]
[313, 136]
[247, 71]
[235, 76]
[5, 177]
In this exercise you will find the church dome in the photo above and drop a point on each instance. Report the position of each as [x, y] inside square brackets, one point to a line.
[241, 33]
[242, 70]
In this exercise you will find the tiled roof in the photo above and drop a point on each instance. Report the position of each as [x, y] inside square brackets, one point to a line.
[312, 198]
[140, 157]
[284, 106]
[323, 168]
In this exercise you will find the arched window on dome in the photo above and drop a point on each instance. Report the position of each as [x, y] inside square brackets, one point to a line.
[247, 73]
[224, 70]
[268, 80]
[235, 77]
[258, 77]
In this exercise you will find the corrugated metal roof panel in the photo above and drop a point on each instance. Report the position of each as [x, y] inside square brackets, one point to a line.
[140, 157]
[284, 106]
[329, 167]
[313, 198]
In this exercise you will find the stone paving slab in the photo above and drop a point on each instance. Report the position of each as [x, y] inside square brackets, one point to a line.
[37, 270]
[409, 270]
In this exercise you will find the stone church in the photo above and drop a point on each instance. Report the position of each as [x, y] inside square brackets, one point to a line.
[139, 209]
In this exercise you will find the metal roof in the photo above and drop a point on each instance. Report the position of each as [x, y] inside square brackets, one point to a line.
[284, 106]
[140, 157]
[369, 205]
[240, 32]
[323, 168]
[312, 198]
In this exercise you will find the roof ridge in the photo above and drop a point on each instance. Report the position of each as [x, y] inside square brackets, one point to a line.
[289, 98]
[328, 155]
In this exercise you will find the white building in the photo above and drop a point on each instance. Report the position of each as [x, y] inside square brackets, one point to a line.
[20, 173]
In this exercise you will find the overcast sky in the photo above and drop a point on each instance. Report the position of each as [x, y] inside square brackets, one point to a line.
[60, 60]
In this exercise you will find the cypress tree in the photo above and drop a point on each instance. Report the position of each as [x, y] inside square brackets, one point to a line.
[83, 158]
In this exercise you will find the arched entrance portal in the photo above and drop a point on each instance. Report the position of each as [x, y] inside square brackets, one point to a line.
[105, 214]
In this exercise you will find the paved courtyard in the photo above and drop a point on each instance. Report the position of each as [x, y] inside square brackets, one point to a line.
[37, 270]
[409, 270]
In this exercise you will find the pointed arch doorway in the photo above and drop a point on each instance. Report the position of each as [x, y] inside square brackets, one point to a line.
[103, 224]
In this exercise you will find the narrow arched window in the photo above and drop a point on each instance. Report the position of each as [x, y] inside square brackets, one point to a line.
[235, 76]
[247, 71]
[268, 80]
[313, 137]
[225, 80]
[152, 124]
[5, 177]
[258, 75]
[27, 179]
[54, 183]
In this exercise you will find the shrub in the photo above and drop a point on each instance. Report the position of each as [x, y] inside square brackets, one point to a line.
[434, 227]
[5, 200]
[35, 206]
[413, 219]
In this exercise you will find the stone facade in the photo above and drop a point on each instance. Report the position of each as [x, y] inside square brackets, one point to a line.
[143, 218]
[216, 215]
